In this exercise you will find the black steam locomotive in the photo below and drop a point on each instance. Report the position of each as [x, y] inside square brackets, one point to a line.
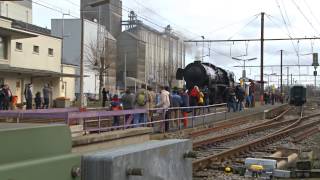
[206, 75]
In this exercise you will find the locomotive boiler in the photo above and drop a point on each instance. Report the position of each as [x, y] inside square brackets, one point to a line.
[207, 76]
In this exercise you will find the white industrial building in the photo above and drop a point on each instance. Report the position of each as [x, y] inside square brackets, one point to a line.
[95, 37]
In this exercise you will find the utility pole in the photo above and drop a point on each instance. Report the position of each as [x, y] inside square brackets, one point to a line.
[261, 54]
[281, 53]
[125, 71]
[170, 60]
[81, 59]
[288, 80]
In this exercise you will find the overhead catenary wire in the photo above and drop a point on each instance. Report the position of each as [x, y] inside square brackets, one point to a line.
[311, 12]
[305, 17]
[51, 8]
[254, 18]
[285, 24]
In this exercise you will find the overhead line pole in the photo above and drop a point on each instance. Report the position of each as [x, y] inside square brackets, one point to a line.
[281, 53]
[261, 55]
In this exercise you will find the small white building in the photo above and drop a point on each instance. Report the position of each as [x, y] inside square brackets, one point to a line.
[98, 43]
[29, 54]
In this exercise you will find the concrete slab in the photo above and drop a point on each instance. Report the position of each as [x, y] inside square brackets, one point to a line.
[108, 140]
[108, 136]
[156, 160]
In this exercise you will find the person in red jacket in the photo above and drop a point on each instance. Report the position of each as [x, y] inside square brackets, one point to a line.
[116, 106]
[194, 98]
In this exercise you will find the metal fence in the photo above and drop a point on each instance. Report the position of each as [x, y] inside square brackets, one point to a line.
[102, 120]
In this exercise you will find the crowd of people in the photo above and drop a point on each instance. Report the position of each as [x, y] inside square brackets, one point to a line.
[182, 99]
[8, 101]
[237, 97]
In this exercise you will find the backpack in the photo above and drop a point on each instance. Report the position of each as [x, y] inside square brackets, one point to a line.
[141, 99]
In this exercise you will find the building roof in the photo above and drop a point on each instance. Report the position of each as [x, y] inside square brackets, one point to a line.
[34, 72]
[29, 27]
[140, 24]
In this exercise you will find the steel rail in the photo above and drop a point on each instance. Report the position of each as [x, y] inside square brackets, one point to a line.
[280, 134]
[232, 124]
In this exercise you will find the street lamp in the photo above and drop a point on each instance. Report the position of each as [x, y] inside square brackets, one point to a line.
[244, 64]
[268, 75]
[93, 4]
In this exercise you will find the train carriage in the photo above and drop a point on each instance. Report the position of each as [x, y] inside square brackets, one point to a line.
[297, 95]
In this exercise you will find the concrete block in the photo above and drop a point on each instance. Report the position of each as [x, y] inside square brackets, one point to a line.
[156, 160]
[281, 173]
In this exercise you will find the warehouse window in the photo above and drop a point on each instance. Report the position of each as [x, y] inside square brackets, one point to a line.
[19, 46]
[3, 48]
[50, 52]
[36, 49]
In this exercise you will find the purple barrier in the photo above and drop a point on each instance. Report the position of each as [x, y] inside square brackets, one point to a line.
[90, 114]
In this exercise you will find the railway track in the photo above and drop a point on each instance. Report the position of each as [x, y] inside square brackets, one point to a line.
[220, 154]
[242, 132]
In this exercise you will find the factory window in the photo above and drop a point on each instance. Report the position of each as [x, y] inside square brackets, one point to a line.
[3, 48]
[50, 52]
[36, 49]
[19, 46]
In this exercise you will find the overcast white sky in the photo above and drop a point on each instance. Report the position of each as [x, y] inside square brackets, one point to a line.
[217, 19]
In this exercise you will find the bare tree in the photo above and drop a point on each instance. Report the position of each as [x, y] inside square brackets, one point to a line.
[101, 59]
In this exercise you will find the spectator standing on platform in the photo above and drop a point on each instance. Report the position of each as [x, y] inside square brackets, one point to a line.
[104, 97]
[152, 98]
[185, 103]
[46, 96]
[128, 103]
[28, 95]
[141, 100]
[7, 97]
[251, 93]
[176, 103]
[206, 95]
[38, 100]
[247, 96]
[240, 94]
[230, 98]
[165, 104]
[1, 97]
[194, 96]
[115, 106]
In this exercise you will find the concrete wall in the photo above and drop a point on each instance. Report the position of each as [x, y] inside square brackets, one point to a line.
[110, 14]
[128, 44]
[160, 59]
[158, 160]
[17, 10]
[68, 83]
[26, 58]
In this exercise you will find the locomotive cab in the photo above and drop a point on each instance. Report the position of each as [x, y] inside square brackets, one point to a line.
[297, 96]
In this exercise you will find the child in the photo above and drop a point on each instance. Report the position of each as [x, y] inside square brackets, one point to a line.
[38, 100]
[115, 106]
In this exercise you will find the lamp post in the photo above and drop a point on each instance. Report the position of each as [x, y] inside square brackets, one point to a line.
[268, 75]
[94, 4]
[244, 64]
